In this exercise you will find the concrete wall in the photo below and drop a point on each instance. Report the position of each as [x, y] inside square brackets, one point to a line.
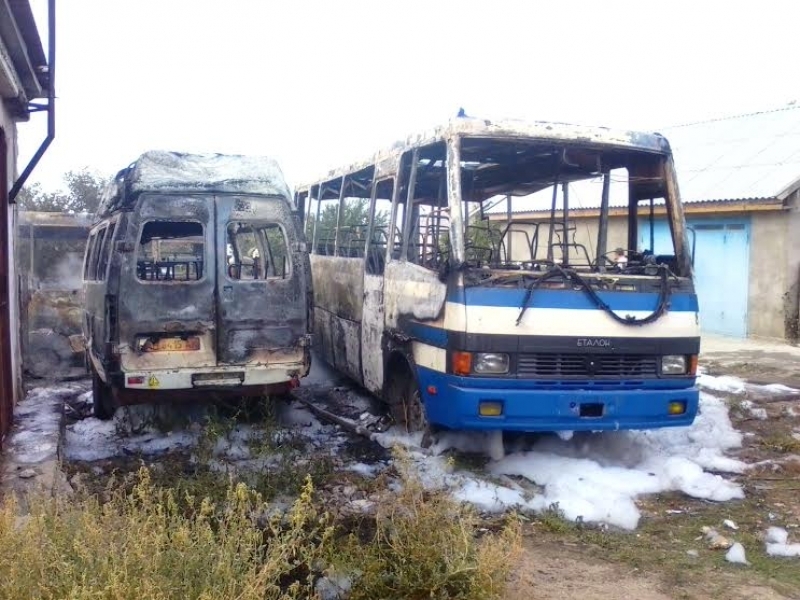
[769, 278]
[791, 257]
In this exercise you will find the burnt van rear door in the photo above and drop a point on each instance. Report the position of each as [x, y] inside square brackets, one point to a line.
[261, 311]
[168, 285]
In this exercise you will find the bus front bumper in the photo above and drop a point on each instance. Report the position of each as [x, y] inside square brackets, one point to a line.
[452, 402]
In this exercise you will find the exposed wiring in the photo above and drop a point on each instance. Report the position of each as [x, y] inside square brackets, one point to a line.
[570, 275]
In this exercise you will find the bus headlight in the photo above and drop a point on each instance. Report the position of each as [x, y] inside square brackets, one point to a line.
[673, 364]
[486, 363]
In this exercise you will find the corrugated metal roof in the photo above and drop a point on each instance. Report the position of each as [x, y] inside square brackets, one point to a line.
[748, 157]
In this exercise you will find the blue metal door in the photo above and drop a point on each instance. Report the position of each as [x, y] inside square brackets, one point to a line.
[721, 265]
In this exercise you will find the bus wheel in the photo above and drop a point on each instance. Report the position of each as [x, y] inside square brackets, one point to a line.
[102, 400]
[405, 404]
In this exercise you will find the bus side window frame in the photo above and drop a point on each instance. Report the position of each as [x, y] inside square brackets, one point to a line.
[322, 189]
[371, 268]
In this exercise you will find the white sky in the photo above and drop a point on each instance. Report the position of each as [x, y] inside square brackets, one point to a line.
[320, 83]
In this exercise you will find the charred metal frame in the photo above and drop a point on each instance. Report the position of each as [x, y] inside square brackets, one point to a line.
[602, 234]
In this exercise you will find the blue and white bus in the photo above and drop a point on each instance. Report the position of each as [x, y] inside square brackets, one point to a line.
[499, 276]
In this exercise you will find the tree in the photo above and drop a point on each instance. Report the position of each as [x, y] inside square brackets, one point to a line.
[355, 216]
[482, 240]
[83, 193]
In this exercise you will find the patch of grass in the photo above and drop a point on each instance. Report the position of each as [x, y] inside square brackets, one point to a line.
[423, 545]
[150, 542]
[467, 461]
[552, 520]
[144, 544]
[782, 443]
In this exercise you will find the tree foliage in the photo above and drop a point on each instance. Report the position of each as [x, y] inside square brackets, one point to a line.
[355, 215]
[83, 191]
[482, 240]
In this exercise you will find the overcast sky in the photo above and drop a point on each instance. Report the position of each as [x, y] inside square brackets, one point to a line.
[320, 83]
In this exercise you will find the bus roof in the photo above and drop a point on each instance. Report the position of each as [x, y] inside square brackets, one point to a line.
[510, 129]
[165, 172]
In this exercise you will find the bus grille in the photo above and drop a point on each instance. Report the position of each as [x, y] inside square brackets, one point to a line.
[587, 366]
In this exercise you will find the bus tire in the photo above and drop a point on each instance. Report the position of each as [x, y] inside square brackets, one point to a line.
[103, 406]
[405, 401]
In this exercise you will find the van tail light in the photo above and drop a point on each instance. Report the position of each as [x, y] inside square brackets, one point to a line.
[462, 363]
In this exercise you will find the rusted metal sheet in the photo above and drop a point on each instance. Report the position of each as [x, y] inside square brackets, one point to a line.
[510, 129]
[413, 292]
[161, 172]
[339, 285]
[372, 328]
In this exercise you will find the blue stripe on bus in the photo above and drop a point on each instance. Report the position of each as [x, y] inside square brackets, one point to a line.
[433, 336]
[572, 299]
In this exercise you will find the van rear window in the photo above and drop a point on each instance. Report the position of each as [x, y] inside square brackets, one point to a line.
[171, 251]
[257, 251]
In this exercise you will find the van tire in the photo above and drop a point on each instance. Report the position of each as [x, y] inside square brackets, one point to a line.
[405, 401]
[103, 406]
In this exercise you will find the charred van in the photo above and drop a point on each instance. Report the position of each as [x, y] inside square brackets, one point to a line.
[196, 278]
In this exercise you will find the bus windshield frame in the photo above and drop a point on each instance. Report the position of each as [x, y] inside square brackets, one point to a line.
[549, 183]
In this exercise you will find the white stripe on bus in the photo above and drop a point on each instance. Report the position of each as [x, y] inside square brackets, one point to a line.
[566, 322]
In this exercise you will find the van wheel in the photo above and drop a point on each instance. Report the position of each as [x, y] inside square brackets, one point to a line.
[405, 404]
[102, 400]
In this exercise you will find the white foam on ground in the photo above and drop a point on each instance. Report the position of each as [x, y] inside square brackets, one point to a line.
[92, 439]
[736, 385]
[786, 550]
[777, 539]
[364, 469]
[736, 555]
[777, 535]
[596, 477]
[779, 388]
[37, 418]
[722, 383]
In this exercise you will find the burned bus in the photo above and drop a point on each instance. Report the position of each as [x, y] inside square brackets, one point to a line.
[196, 280]
[433, 297]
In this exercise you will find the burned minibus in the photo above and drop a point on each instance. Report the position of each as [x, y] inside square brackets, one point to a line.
[196, 280]
[500, 276]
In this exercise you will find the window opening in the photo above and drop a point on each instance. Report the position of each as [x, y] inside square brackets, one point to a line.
[105, 253]
[256, 251]
[171, 251]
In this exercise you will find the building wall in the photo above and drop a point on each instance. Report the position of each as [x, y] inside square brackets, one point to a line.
[10, 131]
[769, 279]
[792, 268]
[585, 234]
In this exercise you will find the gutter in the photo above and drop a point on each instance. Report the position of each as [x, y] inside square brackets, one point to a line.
[50, 107]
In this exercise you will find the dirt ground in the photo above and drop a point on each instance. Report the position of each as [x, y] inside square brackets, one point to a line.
[667, 556]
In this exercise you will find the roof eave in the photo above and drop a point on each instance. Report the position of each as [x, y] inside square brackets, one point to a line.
[20, 37]
[788, 190]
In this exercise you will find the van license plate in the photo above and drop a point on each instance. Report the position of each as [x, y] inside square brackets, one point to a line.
[217, 379]
[190, 344]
